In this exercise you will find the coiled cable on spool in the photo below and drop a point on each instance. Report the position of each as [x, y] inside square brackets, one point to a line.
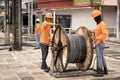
[77, 48]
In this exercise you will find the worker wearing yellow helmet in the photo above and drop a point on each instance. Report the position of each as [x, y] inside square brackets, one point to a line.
[96, 13]
[49, 15]
[45, 39]
[99, 38]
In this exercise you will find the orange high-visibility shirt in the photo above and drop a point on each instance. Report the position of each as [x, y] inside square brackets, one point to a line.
[45, 32]
[37, 28]
[101, 33]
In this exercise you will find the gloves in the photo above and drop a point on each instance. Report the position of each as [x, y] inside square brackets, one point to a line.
[92, 36]
[58, 25]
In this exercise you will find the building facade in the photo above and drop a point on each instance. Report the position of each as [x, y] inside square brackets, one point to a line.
[75, 13]
[70, 13]
[110, 12]
[2, 15]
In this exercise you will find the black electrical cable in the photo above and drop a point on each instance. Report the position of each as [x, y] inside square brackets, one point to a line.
[77, 48]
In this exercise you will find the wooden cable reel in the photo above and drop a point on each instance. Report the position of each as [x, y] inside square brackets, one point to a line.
[62, 49]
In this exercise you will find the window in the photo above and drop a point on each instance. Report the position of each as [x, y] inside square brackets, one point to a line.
[1, 24]
[65, 20]
[1, 21]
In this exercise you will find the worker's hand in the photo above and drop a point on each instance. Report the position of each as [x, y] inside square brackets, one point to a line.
[91, 31]
[58, 25]
[92, 36]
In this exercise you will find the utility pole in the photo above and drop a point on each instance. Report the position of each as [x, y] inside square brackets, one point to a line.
[17, 24]
[7, 35]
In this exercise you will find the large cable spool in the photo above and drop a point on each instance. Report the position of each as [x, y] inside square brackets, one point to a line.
[77, 48]
[86, 34]
[72, 48]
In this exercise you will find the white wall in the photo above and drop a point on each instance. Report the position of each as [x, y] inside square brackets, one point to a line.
[80, 17]
[110, 15]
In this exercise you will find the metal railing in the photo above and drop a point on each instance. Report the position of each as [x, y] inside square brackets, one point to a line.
[112, 31]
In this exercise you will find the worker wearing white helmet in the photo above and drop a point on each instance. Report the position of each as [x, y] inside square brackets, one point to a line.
[38, 19]
[37, 33]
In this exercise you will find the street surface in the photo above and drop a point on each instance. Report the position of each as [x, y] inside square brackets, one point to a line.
[25, 65]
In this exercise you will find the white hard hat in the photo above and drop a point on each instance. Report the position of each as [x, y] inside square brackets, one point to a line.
[37, 19]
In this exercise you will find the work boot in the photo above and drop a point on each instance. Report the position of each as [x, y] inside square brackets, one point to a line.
[99, 73]
[47, 69]
[105, 70]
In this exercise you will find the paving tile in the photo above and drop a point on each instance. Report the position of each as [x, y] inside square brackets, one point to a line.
[31, 66]
[36, 71]
[11, 78]
[8, 75]
[24, 74]
[15, 65]
[6, 71]
[27, 78]
[3, 62]
[25, 65]
[3, 55]
[20, 70]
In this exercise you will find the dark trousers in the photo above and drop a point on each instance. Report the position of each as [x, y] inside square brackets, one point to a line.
[44, 49]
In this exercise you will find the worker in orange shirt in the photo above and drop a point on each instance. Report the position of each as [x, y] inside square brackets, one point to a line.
[100, 35]
[37, 33]
[45, 39]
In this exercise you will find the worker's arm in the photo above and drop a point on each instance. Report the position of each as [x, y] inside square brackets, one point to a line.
[53, 24]
[104, 32]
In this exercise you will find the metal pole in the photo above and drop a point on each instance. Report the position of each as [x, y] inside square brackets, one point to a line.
[52, 61]
[54, 13]
[17, 24]
[118, 19]
[28, 19]
[31, 17]
[7, 36]
[4, 18]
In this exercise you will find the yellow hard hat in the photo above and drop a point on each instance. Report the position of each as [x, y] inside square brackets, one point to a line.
[48, 15]
[95, 13]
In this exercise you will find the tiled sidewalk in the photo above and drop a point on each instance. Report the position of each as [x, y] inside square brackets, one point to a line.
[25, 65]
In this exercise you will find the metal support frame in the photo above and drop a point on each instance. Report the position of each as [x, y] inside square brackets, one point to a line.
[54, 13]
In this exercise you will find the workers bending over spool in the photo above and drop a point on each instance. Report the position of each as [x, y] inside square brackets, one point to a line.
[45, 39]
[99, 38]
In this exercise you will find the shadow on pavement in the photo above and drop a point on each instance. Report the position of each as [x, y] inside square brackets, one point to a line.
[8, 45]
